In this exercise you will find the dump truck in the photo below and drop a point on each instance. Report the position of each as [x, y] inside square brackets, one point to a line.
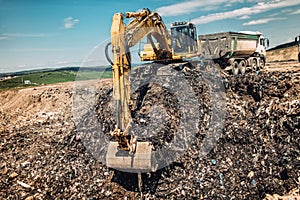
[234, 51]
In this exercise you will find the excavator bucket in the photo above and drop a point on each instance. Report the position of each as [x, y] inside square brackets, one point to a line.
[140, 161]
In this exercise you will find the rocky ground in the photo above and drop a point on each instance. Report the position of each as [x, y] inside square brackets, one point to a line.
[48, 147]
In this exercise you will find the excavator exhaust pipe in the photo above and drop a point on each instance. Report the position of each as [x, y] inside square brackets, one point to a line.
[139, 162]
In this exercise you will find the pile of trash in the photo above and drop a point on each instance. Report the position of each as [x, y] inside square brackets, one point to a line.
[241, 142]
[257, 152]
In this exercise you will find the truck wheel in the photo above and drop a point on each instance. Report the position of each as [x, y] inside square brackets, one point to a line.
[208, 66]
[261, 63]
[235, 68]
[242, 67]
[254, 65]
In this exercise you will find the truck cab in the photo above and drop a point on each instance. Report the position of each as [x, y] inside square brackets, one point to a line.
[184, 38]
[263, 44]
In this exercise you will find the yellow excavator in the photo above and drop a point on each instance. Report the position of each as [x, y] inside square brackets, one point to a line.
[174, 46]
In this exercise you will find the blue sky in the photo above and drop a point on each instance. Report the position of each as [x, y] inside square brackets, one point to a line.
[39, 34]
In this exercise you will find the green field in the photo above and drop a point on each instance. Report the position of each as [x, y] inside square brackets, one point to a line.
[52, 77]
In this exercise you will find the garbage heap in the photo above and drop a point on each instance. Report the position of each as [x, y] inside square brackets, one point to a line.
[257, 152]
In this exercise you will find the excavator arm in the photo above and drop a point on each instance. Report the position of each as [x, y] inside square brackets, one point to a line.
[160, 47]
[144, 24]
[121, 87]
[151, 25]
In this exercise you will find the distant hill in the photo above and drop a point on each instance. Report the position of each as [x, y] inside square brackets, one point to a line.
[285, 45]
[285, 52]
[71, 69]
[51, 76]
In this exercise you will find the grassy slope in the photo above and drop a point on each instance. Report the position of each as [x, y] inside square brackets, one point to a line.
[40, 78]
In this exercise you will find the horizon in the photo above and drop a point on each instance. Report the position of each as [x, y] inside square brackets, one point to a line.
[38, 35]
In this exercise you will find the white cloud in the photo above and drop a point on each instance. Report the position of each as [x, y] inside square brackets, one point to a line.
[210, 8]
[256, 9]
[64, 63]
[187, 7]
[245, 17]
[37, 49]
[261, 21]
[283, 11]
[25, 34]
[70, 22]
[274, 14]
[289, 40]
[3, 38]
[295, 12]
[288, 10]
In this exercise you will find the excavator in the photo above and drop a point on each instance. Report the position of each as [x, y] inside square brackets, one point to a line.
[178, 45]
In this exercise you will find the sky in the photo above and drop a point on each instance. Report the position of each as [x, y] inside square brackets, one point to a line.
[57, 33]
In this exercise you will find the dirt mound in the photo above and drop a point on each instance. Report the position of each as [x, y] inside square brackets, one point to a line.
[34, 105]
[43, 155]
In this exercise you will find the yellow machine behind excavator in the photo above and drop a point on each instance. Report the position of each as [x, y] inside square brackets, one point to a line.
[176, 45]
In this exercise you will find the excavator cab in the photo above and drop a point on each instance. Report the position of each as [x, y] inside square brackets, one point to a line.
[184, 38]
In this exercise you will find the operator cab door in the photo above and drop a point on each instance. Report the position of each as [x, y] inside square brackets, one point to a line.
[184, 38]
[263, 43]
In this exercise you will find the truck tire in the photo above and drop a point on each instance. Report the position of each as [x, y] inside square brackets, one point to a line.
[261, 63]
[254, 65]
[208, 66]
[242, 67]
[235, 68]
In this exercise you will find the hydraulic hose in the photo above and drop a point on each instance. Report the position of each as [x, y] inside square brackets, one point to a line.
[107, 55]
[127, 54]
[118, 103]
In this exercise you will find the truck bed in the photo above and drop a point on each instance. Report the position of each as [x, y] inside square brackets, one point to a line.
[228, 44]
